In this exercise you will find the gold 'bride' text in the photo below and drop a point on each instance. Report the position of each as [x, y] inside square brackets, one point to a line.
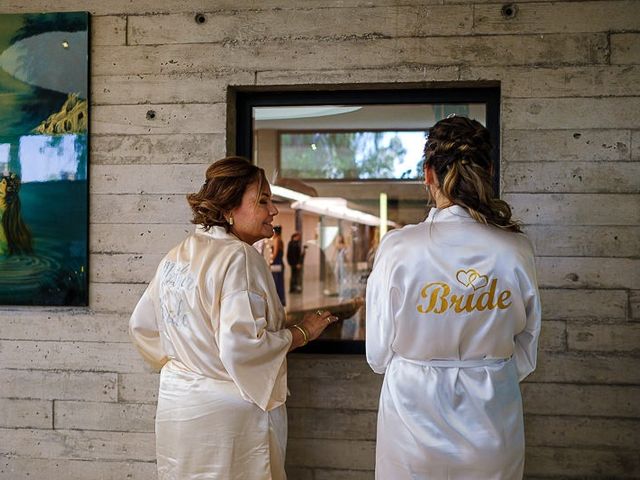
[438, 299]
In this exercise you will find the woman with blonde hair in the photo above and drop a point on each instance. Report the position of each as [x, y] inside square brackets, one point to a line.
[212, 321]
[453, 319]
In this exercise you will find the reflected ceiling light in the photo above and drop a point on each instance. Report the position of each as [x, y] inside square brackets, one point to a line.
[337, 208]
[65, 44]
[284, 113]
[289, 194]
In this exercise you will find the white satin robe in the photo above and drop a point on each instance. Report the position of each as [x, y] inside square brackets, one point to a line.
[453, 319]
[211, 318]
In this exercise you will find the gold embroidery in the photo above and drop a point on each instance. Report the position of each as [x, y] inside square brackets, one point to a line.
[438, 295]
[438, 298]
[472, 278]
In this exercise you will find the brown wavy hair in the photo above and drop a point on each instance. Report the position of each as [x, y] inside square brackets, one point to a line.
[19, 239]
[226, 180]
[459, 151]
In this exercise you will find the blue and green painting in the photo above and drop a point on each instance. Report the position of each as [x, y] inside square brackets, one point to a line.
[43, 159]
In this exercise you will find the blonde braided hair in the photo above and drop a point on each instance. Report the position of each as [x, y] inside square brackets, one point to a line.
[459, 151]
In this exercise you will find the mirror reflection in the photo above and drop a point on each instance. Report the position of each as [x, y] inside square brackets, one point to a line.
[342, 176]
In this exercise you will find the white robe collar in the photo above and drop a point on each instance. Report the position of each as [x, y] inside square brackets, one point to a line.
[454, 213]
[215, 232]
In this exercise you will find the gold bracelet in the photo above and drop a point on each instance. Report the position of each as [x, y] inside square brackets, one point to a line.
[304, 333]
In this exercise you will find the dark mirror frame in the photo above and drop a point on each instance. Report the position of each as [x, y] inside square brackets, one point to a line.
[246, 100]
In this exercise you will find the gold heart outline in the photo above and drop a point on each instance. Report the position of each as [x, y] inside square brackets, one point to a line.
[473, 278]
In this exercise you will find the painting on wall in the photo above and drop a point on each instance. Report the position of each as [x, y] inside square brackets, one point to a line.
[43, 159]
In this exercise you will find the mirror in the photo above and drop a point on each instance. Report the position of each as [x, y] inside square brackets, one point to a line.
[344, 169]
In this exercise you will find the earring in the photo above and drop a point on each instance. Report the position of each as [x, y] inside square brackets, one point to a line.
[230, 220]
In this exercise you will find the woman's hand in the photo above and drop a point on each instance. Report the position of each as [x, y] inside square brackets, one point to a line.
[311, 326]
[316, 322]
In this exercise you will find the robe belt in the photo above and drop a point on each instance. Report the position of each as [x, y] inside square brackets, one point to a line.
[487, 362]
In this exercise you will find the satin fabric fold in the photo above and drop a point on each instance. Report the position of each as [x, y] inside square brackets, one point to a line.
[453, 320]
[211, 318]
[206, 430]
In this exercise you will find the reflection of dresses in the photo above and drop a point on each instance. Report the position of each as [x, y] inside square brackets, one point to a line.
[211, 315]
[277, 270]
[453, 319]
[295, 257]
[340, 270]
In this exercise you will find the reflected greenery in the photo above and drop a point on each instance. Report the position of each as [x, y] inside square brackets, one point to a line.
[348, 155]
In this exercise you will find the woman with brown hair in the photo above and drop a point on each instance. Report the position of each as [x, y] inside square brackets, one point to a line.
[212, 320]
[453, 319]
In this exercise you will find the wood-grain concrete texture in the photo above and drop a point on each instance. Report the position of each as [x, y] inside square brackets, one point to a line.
[77, 402]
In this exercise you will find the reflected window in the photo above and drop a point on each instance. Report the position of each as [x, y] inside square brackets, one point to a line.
[346, 167]
[343, 155]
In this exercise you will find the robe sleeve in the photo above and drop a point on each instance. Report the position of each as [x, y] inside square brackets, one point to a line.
[254, 357]
[526, 342]
[380, 319]
[144, 331]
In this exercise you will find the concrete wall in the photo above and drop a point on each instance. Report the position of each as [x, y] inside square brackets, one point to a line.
[77, 401]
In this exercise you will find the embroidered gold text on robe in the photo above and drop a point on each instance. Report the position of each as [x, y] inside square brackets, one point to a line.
[453, 319]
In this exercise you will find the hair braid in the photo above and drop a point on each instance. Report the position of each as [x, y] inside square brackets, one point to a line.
[459, 151]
